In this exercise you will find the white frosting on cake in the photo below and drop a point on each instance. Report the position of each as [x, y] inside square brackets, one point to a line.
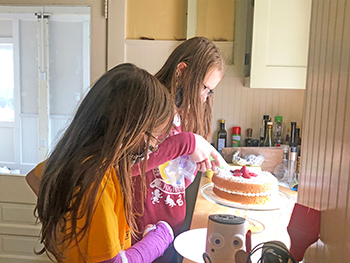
[262, 178]
[245, 194]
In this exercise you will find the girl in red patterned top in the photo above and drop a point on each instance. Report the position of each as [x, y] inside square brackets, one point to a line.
[190, 73]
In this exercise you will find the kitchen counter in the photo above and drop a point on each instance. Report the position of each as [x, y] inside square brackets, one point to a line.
[275, 222]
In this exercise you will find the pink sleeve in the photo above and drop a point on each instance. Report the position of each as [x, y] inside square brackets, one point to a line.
[171, 148]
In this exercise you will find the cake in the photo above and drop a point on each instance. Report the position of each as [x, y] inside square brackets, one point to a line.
[245, 186]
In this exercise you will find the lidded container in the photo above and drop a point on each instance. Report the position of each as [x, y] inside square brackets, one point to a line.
[236, 136]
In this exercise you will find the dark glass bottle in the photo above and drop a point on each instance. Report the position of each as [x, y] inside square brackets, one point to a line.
[222, 136]
[268, 138]
[263, 129]
[292, 134]
[298, 139]
[297, 136]
[287, 137]
[248, 139]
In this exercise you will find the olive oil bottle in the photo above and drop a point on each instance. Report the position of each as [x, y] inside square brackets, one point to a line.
[222, 136]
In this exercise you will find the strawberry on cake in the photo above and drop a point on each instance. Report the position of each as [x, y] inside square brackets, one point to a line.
[243, 186]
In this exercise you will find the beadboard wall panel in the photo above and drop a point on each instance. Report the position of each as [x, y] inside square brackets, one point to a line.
[325, 169]
[245, 107]
[238, 105]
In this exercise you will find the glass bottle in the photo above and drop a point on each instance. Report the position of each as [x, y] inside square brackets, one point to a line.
[263, 129]
[278, 131]
[292, 134]
[221, 136]
[248, 139]
[297, 136]
[292, 163]
[281, 170]
[287, 137]
[298, 139]
[268, 138]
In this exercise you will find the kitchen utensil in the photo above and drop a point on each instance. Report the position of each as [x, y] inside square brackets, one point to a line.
[303, 229]
[248, 241]
[223, 163]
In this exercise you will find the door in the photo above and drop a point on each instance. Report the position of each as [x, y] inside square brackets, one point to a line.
[45, 52]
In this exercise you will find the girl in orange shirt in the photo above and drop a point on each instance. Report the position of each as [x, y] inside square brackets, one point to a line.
[85, 196]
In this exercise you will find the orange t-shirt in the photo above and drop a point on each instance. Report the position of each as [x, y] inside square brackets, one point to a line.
[108, 233]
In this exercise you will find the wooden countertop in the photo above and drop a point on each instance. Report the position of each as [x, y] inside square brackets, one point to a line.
[203, 208]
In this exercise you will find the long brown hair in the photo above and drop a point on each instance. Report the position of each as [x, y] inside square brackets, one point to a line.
[201, 57]
[122, 106]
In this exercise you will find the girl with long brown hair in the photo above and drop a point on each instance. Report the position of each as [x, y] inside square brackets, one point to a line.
[84, 189]
[190, 74]
[85, 196]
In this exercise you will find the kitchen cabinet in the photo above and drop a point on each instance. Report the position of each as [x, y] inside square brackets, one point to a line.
[279, 44]
[178, 19]
[210, 18]
[129, 20]
[19, 231]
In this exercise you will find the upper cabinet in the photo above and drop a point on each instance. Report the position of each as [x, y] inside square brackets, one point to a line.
[156, 19]
[154, 28]
[179, 19]
[279, 46]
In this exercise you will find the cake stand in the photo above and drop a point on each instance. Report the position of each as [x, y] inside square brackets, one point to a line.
[276, 202]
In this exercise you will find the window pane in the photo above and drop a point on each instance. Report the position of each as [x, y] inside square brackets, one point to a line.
[6, 83]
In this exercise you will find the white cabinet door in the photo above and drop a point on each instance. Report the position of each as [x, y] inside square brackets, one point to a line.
[280, 44]
[18, 231]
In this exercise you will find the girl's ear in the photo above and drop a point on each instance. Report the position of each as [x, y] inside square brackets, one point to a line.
[180, 67]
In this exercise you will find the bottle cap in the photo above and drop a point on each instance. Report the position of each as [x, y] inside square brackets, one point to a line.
[270, 123]
[266, 117]
[222, 121]
[278, 118]
[236, 130]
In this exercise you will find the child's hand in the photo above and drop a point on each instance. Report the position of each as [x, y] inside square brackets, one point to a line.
[148, 228]
[201, 155]
[163, 224]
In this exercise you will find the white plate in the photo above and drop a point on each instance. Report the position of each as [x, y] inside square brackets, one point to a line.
[276, 201]
[191, 244]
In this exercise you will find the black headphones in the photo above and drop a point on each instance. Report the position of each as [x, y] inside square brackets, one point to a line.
[272, 252]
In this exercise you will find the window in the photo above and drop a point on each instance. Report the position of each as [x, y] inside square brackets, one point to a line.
[39, 90]
[6, 83]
